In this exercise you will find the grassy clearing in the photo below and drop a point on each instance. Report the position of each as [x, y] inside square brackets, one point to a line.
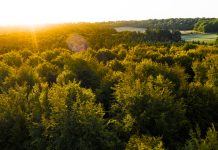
[201, 37]
[187, 35]
[132, 29]
[185, 32]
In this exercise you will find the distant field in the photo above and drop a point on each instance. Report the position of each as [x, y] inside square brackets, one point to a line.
[209, 38]
[187, 35]
[184, 32]
[120, 29]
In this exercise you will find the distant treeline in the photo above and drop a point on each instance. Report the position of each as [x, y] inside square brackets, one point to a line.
[173, 23]
[96, 35]
[204, 24]
[207, 25]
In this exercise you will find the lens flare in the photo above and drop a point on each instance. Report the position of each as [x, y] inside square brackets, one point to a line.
[77, 43]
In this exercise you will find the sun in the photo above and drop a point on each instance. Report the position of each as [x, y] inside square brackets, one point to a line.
[34, 12]
[38, 12]
[29, 12]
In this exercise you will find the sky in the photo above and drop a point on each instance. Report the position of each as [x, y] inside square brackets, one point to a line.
[30, 12]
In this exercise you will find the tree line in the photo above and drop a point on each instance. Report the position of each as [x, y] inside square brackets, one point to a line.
[207, 25]
[172, 23]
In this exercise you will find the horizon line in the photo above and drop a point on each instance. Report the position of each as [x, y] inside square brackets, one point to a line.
[102, 21]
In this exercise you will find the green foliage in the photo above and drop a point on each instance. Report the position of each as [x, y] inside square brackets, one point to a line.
[152, 106]
[96, 36]
[78, 121]
[173, 23]
[12, 59]
[201, 102]
[83, 71]
[26, 75]
[162, 35]
[210, 142]
[13, 126]
[121, 93]
[189, 46]
[47, 72]
[104, 55]
[207, 25]
[206, 71]
[144, 143]
[4, 72]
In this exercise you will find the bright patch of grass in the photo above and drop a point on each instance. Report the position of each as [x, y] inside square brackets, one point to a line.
[132, 29]
[208, 38]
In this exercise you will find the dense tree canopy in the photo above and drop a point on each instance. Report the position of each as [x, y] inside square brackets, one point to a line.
[120, 93]
[207, 25]
[78, 37]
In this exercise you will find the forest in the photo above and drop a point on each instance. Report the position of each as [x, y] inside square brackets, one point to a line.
[170, 24]
[207, 26]
[87, 87]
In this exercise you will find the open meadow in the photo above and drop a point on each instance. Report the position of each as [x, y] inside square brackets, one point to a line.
[187, 35]
[201, 37]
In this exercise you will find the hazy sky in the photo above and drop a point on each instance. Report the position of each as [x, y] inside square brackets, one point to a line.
[56, 11]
